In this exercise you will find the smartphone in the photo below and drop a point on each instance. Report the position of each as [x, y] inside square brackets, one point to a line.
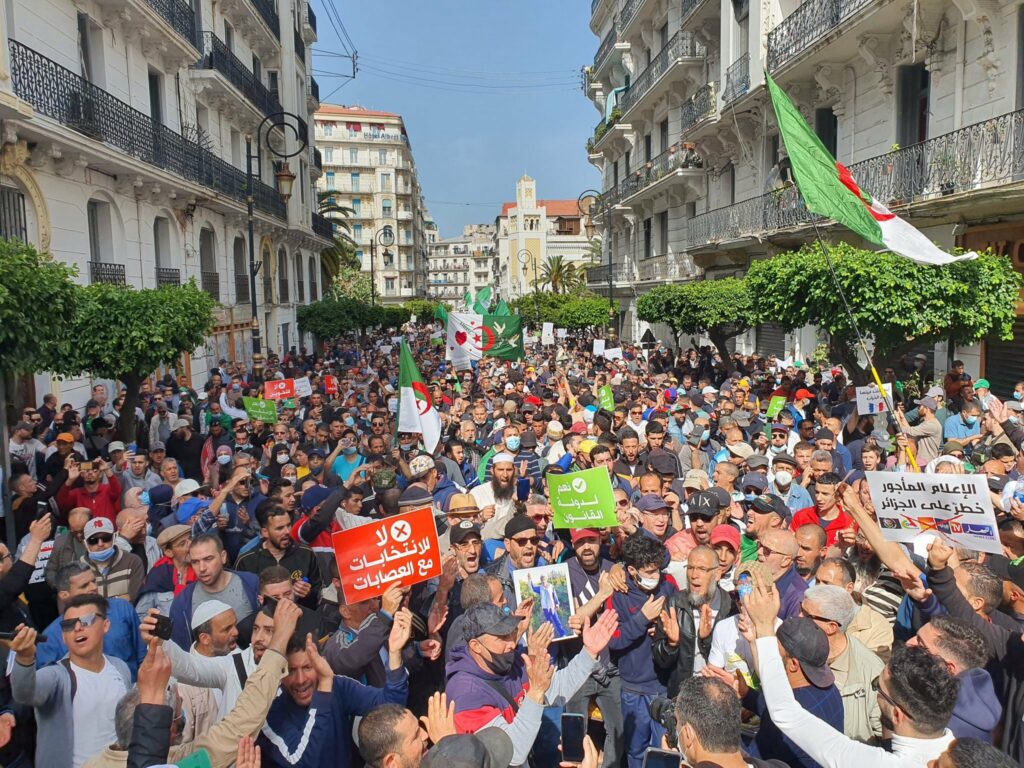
[85, 466]
[694, 438]
[574, 728]
[164, 627]
[662, 758]
[12, 635]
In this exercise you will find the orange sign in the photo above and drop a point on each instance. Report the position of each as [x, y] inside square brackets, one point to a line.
[374, 556]
[331, 385]
[279, 389]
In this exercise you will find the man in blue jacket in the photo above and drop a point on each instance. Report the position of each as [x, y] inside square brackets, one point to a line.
[639, 607]
[310, 722]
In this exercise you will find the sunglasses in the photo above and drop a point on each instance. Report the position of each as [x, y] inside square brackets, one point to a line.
[878, 689]
[68, 625]
[100, 538]
[819, 618]
[535, 540]
[540, 517]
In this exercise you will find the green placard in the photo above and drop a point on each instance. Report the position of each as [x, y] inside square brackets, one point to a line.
[775, 406]
[264, 410]
[606, 398]
[583, 499]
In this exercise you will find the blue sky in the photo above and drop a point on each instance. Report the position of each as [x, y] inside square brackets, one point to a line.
[464, 75]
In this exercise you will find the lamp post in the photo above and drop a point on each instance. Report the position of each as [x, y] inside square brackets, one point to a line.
[523, 256]
[386, 237]
[585, 204]
[285, 182]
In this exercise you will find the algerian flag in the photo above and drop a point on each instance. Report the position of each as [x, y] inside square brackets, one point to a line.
[829, 189]
[472, 335]
[440, 313]
[416, 412]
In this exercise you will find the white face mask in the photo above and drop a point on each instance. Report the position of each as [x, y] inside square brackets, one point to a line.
[224, 458]
[648, 584]
[783, 478]
[282, 458]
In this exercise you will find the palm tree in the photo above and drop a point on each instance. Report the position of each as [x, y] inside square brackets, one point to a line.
[559, 274]
[594, 250]
[343, 252]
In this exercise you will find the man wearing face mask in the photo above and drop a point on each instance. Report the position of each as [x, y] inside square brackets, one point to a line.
[794, 494]
[118, 573]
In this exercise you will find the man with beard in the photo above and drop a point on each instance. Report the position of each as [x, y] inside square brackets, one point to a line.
[521, 551]
[629, 467]
[810, 542]
[682, 640]
[279, 549]
[704, 510]
[496, 498]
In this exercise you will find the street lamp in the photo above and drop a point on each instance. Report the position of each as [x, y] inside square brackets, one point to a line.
[523, 256]
[386, 237]
[285, 183]
[585, 204]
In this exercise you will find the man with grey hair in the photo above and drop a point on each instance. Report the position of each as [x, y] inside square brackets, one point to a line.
[869, 626]
[853, 665]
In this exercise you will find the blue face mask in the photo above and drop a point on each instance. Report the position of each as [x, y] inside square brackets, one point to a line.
[102, 557]
[349, 451]
[513, 443]
[144, 498]
[1017, 395]
[349, 421]
[970, 421]
[705, 435]
[722, 456]
[749, 496]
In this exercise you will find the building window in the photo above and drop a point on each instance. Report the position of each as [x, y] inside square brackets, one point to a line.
[385, 182]
[385, 207]
[663, 233]
[162, 242]
[300, 287]
[357, 207]
[912, 105]
[12, 214]
[826, 125]
[156, 97]
[229, 37]
[359, 255]
[355, 182]
[90, 50]
[328, 154]
[353, 157]
[382, 156]
[648, 244]
[101, 237]
[357, 232]
[328, 129]
[241, 269]
[330, 180]
[389, 284]
[312, 279]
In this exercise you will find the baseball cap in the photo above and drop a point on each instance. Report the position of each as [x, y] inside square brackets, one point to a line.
[709, 390]
[803, 394]
[156, 445]
[579, 428]
[726, 534]
[778, 426]
[65, 437]
[487, 748]
[171, 533]
[314, 497]
[161, 494]
[935, 392]
[651, 502]
[463, 530]
[488, 619]
[23, 425]
[519, 524]
[578, 534]
[928, 402]
[802, 639]
[117, 445]
[754, 480]
[98, 525]
[186, 488]
[695, 479]
[415, 496]
[420, 466]
[207, 611]
[769, 503]
[703, 503]
[181, 423]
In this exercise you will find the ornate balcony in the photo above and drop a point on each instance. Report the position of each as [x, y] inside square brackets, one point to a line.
[312, 94]
[681, 46]
[62, 95]
[629, 11]
[702, 105]
[311, 22]
[218, 57]
[322, 226]
[180, 17]
[166, 276]
[211, 284]
[606, 47]
[810, 22]
[104, 272]
[618, 273]
[268, 13]
[300, 45]
[241, 289]
[674, 158]
[737, 79]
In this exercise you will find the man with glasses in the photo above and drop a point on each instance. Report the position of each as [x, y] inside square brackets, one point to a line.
[74, 700]
[777, 549]
[521, 551]
[635, 421]
[118, 573]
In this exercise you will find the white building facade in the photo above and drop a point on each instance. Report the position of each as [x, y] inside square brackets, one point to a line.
[922, 100]
[369, 168]
[460, 265]
[124, 128]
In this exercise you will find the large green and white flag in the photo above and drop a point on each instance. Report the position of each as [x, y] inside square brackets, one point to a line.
[416, 412]
[471, 336]
[828, 189]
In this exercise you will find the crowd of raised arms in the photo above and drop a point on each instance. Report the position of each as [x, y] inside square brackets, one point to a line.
[175, 598]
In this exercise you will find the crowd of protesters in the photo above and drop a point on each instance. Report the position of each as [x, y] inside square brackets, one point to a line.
[175, 598]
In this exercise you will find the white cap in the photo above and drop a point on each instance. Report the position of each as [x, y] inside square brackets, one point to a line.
[709, 390]
[117, 445]
[935, 392]
[184, 488]
[503, 457]
[207, 611]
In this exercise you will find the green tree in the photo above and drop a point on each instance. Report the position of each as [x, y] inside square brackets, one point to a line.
[896, 302]
[594, 250]
[584, 312]
[352, 283]
[723, 309]
[125, 334]
[559, 274]
[547, 303]
[424, 308]
[342, 253]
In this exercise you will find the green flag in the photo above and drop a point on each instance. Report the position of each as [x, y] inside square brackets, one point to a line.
[583, 499]
[440, 313]
[472, 336]
[775, 406]
[481, 472]
[502, 309]
[262, 410]
[606, 398]
[483, 301]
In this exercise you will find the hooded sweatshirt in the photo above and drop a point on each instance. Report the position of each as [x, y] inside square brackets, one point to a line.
[631, 646]
[977, 710]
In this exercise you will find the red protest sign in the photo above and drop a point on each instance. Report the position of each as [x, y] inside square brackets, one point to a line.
[372, 557]
[279, 389]
[331, 385]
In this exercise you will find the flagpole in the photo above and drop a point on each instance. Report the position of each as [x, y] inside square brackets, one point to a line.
[863, 346]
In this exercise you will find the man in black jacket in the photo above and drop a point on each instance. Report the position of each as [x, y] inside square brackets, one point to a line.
[682, 641]
[277, 548]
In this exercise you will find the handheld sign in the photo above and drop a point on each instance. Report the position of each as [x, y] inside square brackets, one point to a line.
[775, 406]
[583, 499]
[261, 410]
[606, 398]
[598, 347]
[613, 353]
[331, 385]
[956, 508]
[870, 400]
[302, 387]
[547, 334]
[279, 389]
[372, 557]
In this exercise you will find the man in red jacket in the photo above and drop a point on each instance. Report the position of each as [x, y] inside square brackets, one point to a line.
[84, 488]
[826, 511]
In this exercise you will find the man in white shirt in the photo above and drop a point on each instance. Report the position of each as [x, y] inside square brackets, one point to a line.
[497, 498]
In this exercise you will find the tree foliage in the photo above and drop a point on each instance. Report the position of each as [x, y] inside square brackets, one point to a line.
[424, 308]
[723, 309]
[574, 311]
[337, 315]
[583, 312]
[895, 301]
[352, 283]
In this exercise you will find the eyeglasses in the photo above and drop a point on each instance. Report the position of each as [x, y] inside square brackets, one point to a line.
[622, 503]
[877, 688]
[535, 540]
[100, 538]
[69, 625]
[539, 517]
[767, 551]
[822, 619]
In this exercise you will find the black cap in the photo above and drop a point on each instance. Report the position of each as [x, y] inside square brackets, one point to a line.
[462, 530]
[824, 434]
[768, 503]
[802, 639]
[518, 524]
[784, 458]
[488, 619]
[528, 440]
[488, 748]
[703, 503]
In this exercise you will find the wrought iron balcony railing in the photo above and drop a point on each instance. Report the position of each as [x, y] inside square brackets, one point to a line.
[606, 46]
[267, 12]
[703, 104]
[737, 79]
[166, 276]
[599, 275]
[688, 7]
[300, 45]
[310, 16]
[322, 226]
[313, 89]
[318, 159]
[629, 9]
[241, 289]
[211, 284]
[811, 21]
[104, 272]
[675, 157]
[217, 56]
[68, 98]
[180, 16]
[682, 45]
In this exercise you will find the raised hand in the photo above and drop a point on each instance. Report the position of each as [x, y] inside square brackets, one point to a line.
[707, 622]
[391, 600]
[23, 645]
[653, 607]
[762, 606]
[286, 618]
[40, 529]
[596, 636]
[401, 630]
[324, 673]
[539, 671]
[440, 718]
[670, 625]
[538, 641]
[154, 673]
[939, 554]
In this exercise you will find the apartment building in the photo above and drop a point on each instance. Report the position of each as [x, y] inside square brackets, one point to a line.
[460, 265]
[922, 100]
[123, 154]
[369, 168]
[529, 233]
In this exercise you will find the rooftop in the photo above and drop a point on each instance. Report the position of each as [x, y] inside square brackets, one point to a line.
[553, 207]
[354, 111]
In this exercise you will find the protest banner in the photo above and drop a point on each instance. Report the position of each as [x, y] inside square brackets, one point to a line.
[956, 508]
[613, 353]
[775, 406]
[261, 410]
[302, 387]
[583, 499]
[598, 347]
[870, 400]
[561, 333]
[374, 556]
[547, 334]
[606, 398]
[331, 385]
[279, 389]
